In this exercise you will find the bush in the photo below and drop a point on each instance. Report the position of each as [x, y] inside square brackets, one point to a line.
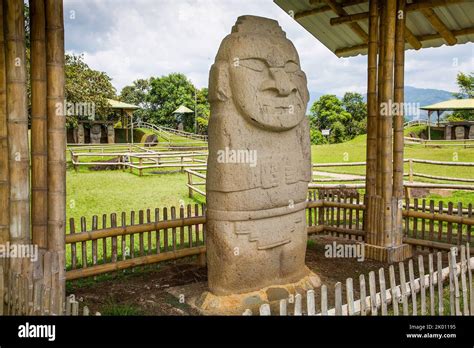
[317, 138]
[338, 133]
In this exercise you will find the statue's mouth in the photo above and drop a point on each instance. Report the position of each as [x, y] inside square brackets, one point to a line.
[281, 110]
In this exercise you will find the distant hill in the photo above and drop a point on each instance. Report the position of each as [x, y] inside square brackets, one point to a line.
[424, 97]
[421, 96]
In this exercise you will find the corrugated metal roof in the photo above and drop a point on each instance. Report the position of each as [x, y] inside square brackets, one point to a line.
[454, 104]
[115, 104]
[455, 16]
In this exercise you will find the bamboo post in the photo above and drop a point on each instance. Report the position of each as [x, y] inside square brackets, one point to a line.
[56, 136]
[372, 100]
[39, 169]
[398, 141]
[410, 172]
[381, 44]
[386, 94]
[429, 125]
[4, 174]
[17, 121]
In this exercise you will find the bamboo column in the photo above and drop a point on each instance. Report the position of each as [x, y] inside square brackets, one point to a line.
[4, 175]
[399, 98]
[381, 43]
[56, 139]
[39, 144]
[372, 100]
[386, 94]
[14, 30]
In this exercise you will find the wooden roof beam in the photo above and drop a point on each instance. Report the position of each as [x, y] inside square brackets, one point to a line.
[420, 5]
[439, 26]
[325, 8]
[421, 38]
[339, 10]
[412, 39]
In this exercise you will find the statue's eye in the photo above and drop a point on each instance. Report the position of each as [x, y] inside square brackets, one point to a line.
[291, 67]
[253, 64]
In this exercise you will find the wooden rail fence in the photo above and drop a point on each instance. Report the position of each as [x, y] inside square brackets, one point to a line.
[150, 236]
[436, 291]
[146, 237]
[139, 161]
[197, 177]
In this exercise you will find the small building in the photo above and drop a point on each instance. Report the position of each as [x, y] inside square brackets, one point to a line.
[105, 132]
[453, 130]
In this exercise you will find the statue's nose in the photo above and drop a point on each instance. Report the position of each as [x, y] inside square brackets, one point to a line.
[282, 81]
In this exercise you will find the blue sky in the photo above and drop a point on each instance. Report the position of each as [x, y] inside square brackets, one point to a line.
[131, 39]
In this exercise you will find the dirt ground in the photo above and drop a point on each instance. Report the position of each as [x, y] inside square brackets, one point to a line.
[143, 291]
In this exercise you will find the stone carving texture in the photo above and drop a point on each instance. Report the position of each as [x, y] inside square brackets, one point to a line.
[256, 227]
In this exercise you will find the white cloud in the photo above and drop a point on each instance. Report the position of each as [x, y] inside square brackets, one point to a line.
[131, 39]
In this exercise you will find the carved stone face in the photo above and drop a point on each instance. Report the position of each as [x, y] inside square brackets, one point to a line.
[268, 85]
[264, 76]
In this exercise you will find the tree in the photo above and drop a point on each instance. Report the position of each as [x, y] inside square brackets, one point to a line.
[88, 88]
[166, 94]
[317, 137]
[344, 118]
[466, 90]
[138, 94]
[338, 133]
[355, 105]
[326, 112]
[203, 111]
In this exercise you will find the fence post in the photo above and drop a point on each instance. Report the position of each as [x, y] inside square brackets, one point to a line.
[190, 184]
[410, 173]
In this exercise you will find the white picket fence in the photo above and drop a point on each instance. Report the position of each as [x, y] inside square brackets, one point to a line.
[425, 295]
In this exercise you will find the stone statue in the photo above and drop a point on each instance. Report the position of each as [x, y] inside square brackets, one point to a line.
[96, 133]
[110, 134]
[259, 163]
[80, 134]
[447, 132]
[459, 132]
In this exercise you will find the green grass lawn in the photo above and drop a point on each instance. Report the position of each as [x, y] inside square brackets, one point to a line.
[355, 151]
[104, 192]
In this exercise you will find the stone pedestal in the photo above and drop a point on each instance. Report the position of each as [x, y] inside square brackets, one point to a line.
[459, 132]
[236, 304]
[471, 132]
